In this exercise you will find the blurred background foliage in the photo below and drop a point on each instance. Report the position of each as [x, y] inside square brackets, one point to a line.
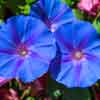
[45, 88]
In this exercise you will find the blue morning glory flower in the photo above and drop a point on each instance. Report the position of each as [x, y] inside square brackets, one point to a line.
[53, 13]
[79, 53]
[26, 48]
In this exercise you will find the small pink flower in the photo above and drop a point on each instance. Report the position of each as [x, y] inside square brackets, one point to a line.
[89, 6]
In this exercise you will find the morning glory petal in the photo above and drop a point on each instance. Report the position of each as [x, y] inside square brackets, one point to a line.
[93, 45]
[35, 27]
[83, 38]
[85, 34]
[88, 73]
[47, 5]
[8, 63]
[18, 35]
[65, 37]
[16, 27]
[71, 77]
[45, 44]
[79, 42]
[53, 13]
[66, 76]
[27, 74]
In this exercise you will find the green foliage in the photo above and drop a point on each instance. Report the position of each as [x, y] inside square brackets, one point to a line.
[96, 24]
[3, 1]
[30, 98]
[24, 9]
[1, 21]
[30, 1]
[71, 3]
[56, 90]
[16, 6]
[79, 14]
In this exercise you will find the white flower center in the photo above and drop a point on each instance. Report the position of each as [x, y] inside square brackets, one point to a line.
[78, 55]
[23, 53]
[22, 50]
[53, 27]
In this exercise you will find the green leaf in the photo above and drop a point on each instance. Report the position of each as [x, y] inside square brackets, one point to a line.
[3, 1]
[29, 1]
[13, 5]
[1, 21]
[78, 14]
[96, 24]
[69, 2]
[55, 90]
[1, 12]
[30, 98]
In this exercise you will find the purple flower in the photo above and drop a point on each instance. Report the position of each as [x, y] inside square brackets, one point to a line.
[26, 48]
[53, 13]
[80, 55]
